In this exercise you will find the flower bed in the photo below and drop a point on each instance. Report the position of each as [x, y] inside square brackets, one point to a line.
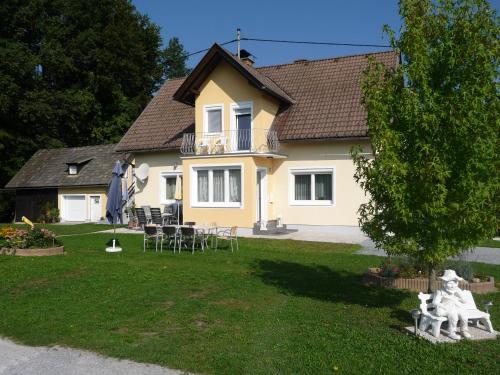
[29, 242]
[419, 284]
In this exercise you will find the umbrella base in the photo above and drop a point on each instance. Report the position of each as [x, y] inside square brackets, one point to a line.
[112, 249]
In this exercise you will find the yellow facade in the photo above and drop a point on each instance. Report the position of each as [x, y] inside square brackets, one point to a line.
[227, 87]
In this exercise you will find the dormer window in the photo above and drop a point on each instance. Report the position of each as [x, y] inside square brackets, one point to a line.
[72, 169]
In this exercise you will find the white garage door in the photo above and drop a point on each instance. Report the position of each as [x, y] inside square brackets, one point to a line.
[74, 208]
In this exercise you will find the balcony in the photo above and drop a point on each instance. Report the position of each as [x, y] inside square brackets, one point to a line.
[261, 141]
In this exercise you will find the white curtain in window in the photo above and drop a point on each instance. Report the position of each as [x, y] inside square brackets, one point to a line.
[202, 186]
[234, 185]
[302, 187]
[214, 118]
[169, 187]
[218, 181]
[323, 187]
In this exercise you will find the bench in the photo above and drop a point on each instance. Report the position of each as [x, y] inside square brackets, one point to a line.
[429, 319]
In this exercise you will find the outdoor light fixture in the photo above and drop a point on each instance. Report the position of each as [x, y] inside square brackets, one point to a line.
[415, 313]
[487, 305]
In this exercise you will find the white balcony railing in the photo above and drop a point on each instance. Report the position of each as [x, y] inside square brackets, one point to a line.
[232, 141]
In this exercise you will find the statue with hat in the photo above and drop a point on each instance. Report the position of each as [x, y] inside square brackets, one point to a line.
[449, 302]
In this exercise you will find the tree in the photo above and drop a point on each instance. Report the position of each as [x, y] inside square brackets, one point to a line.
[72, 73]
[174, 60]
[433, 124]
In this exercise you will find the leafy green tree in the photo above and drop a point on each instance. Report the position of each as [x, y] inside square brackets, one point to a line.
[433, 124]
[174, 59]
[72, 73]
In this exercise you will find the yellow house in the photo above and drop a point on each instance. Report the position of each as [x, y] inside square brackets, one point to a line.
[258, 148]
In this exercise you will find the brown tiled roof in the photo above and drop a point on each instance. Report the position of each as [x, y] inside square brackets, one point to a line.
[161, 125]
[325, 96]
[49, 167]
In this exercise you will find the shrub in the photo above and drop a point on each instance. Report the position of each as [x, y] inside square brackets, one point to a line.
[12, 238]
[404, 266]
[461, 267]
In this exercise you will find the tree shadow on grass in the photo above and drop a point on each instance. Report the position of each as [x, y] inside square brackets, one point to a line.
[323, 283]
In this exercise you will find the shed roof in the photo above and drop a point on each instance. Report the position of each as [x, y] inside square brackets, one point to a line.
[49, 167]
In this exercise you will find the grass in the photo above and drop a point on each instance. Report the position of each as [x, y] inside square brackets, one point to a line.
[65, 229]
[274, 307]
[490, 243]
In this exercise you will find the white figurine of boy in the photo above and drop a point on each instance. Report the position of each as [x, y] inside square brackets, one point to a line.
[450, 302]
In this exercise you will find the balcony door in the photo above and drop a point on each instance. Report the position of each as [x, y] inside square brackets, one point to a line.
[241, 126]
[244, 131]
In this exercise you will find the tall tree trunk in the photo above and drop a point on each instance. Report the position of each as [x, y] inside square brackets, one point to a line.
[429, 279]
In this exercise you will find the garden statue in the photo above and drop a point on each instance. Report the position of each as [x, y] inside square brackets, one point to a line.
[450, 302]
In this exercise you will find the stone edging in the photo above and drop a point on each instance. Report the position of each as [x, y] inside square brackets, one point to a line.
[372, 277]
[59, 250]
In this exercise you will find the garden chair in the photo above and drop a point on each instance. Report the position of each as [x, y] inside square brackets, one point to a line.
[229, 234]
[141, 217]
[188, 238]
[156, 216]
[168, 215]
[147, 211]
[168, 233]
[151, 232]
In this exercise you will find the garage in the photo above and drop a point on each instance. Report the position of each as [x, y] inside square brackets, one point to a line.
[74, 208]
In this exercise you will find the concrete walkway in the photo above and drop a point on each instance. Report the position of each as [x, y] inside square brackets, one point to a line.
[18, 359]
[488, 255]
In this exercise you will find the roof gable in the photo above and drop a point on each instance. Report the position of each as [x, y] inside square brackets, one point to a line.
[187, 91]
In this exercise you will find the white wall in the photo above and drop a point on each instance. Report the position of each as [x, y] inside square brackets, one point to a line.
[347, 193]
[148, 193]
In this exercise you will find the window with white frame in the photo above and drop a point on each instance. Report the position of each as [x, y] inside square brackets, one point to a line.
[213, 119]
[312, 186]
[72, 169]
[168, 186]
[217, 186]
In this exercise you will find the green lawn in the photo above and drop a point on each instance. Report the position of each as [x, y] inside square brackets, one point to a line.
[65, 229]
[275, 307]
[490, 243]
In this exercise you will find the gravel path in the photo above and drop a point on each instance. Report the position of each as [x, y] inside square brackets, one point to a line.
[18, 359]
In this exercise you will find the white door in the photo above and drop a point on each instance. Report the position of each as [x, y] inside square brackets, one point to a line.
[95, 207]
[262, 197]
[74, 208]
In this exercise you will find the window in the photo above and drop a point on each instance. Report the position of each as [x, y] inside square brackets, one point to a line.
[311, 187]
[217, 186]
[213, 119]
[73, 169]
[168, 186]
[241, 126]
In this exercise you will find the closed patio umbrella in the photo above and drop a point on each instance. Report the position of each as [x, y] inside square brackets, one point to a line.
[114, 205]
[178, 188]
[178, 195]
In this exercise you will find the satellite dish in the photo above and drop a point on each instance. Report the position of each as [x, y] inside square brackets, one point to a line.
[142, 172]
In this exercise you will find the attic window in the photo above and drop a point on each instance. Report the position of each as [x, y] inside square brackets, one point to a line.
[72, 169]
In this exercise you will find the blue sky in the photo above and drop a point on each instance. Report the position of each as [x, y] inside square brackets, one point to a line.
[199, 24]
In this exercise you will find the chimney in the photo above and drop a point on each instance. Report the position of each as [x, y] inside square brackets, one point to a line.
[245, 56]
